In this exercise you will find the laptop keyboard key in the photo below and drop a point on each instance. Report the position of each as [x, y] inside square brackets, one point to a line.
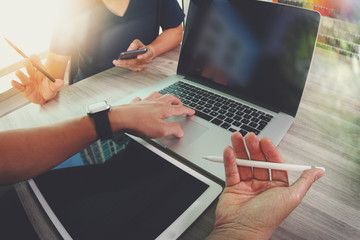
[229, 114]
[253, 124]
[225, 125]
[198, 107]
[228, 120]
[236, 124]
[232, 130]
[216, 121]
[222, 117]
[264, 118]
[222, 111]
[203, 115]
[261, 126]
[250, 129]
[243, 132]
[246, 121]
[247, 116]
[214, 113]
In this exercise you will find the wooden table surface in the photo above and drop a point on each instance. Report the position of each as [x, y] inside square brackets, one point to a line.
[326, 132]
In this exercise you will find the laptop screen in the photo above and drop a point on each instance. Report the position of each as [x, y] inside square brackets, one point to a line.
[258, 51]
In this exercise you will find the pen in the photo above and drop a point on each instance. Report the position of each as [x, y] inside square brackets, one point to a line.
[262, 164]
[33, 63]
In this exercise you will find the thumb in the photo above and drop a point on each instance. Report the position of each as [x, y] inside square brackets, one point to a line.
[173, 128]
[303, 184]
[136, 44]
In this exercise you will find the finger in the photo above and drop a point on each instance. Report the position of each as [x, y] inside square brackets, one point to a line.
[170, 99]
[299, 188]
[153, 95]
[29, 67]
[128, 63]
[20, 87]
[273, 155]
[240, 151]
[22, 77]
[253, 145]
[177, 110]
[146, 56]
[132, 64]
[137, 68]
[137, 99]
[232, 176]
[173, 128]
[36, 62]
[136, 44]
[117, 63]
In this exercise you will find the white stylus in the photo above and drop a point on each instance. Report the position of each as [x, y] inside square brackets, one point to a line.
[262, 164]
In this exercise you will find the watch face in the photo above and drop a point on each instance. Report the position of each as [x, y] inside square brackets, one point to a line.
[98, 107]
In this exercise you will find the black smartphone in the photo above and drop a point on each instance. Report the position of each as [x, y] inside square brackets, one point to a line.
[132, 54]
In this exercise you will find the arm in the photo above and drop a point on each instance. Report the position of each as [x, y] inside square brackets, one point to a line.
[26, 153]
[36, 87]
[167, 40]
[251, 206]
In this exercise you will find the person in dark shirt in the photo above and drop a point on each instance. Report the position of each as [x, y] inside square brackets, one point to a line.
[93, 33]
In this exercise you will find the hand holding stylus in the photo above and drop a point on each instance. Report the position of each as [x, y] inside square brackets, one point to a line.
[36, 87]
[35, 64]
[252, 206]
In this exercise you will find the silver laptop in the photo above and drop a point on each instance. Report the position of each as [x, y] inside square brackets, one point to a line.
[243, 67]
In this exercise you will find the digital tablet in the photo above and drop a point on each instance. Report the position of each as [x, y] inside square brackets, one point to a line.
[123, 188]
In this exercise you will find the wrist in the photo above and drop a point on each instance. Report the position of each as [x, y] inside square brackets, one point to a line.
[118, 118]
[89, 125]
[152, 49]
[99, 112]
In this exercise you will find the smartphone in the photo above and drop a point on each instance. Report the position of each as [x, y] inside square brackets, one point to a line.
[132, 54]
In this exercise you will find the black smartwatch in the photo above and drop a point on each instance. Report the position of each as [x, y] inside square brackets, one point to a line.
[99, 112]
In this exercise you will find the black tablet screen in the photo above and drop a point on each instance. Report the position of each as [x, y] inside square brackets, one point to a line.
[131, 194]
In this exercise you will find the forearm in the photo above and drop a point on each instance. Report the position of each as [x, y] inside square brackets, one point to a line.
[29, 152]
[166, 41]
[25, 153]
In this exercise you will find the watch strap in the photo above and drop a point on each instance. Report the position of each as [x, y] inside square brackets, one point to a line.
[102, 125]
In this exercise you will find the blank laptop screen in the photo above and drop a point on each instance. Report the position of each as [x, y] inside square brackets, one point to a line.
[257, 51]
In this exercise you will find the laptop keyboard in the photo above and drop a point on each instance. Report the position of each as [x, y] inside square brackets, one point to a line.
[219, 110]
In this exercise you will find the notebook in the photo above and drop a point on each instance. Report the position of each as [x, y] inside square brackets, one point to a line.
[243, 66]
[123, 188]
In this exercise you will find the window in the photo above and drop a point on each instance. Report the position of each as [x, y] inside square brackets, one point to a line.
[28, 24]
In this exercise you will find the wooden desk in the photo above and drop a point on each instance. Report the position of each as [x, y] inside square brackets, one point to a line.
[326, 132]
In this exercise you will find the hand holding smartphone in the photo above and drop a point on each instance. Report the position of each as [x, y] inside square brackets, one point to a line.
[132, 54]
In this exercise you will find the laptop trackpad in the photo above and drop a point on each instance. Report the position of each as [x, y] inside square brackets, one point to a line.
[192, 131]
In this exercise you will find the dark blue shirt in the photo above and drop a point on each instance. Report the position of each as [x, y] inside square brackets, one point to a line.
[96, 36]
